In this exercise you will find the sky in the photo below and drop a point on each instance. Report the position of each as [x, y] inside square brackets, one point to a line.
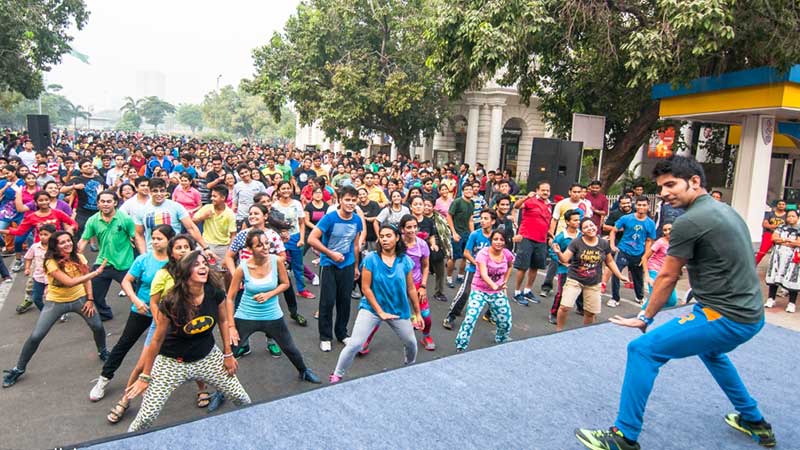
[131, 44]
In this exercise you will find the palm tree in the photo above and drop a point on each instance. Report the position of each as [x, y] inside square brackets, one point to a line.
[131, 105]
[75, 112]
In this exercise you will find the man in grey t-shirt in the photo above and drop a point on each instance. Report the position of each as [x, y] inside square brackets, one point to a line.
[243, 193]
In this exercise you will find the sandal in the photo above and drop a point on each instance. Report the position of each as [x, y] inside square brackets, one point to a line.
[116, 413]
[203, 399]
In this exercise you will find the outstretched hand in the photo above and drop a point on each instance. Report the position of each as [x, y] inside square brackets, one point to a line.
[631, 322]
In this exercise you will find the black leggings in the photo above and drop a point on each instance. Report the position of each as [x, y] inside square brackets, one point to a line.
[773, 291]
[136, 325]
[275, 329]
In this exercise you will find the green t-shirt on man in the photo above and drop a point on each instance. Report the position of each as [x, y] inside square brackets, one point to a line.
[715, 242]
[461, 212]
[113, 239]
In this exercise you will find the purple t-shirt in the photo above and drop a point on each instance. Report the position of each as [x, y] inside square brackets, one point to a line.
[495, 270]
[61, 205]
[416, 253]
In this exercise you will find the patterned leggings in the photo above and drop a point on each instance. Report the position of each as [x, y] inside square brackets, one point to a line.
[498, 304]
[168, 374]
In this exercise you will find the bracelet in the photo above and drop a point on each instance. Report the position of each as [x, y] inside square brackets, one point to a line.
[647, 320]
[145, 378]
[227, 355]
[90, 300]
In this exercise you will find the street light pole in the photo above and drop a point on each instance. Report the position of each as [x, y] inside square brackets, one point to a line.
[218, 77]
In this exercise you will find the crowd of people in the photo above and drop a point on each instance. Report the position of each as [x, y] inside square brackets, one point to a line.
[204, 235]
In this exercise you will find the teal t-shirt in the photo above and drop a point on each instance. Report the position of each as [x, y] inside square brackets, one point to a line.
[249, 309]
[563, 242]
[389, 284]
[715, 242]
[144, 268]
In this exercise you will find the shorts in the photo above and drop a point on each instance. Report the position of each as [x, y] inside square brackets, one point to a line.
[150, 332]
[530, 255]
[458, 248]
[591, 295]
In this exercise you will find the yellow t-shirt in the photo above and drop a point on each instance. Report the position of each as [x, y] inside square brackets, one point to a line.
[56, 292]
[162, 283]
[217, 228]
[377, 195]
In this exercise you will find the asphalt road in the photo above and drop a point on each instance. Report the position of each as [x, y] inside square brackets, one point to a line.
[49, 407]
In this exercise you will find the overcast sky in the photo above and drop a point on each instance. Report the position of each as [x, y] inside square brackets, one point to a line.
[189, 42]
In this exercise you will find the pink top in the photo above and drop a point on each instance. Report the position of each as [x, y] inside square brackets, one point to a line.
[36, 253]
[443, 206]
[495, 270]
[659, 249]
[189, 199]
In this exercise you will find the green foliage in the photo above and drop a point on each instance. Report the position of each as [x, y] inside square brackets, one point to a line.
[602, 57]
[130, 121]
[355, 65]
[33, 37]
[153, 110]
[236, 112]
[191, 116]
[58, 107]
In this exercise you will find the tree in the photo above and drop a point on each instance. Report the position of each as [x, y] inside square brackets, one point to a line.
[238, 112]
[33, 38]
[153, 110]
[129, 121]
[218, 107]
[191, 116]
[354, 65]
[603, 56]
[76, 112]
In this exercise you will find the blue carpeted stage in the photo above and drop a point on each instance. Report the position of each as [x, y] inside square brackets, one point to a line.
[528, 394]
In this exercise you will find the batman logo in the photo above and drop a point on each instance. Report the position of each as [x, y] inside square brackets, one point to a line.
[199, 325]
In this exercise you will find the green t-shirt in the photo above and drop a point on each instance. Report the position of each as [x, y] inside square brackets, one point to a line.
[715, 242]
[461, 212]
[286, 170]
[113, 238]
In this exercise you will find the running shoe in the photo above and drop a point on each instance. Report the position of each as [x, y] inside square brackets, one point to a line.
[790, 308]
[333, 378]
[551, 318]
[579, 312]
[450, 283]
[297, 317]
[273, 349]
[325, 346]
[761, 432]
[545, 292]
[611, 303]
[8, 280]
[315, 281]
[364, 349]
[459, 279]
[306, 294]
[103, 355]
[448, 322]
[611, 439]
[241, 351]
[122, 294]
[18, 265]
[533, 298]
[63, 318]
[768, 304]
[640, 301]
[24, 306]
[355, 294]
[440, 297]
[99, 390]
[215, 400]
[11, 376]
[311, 377]
[315, 261]
[520, 298]
[428, 343]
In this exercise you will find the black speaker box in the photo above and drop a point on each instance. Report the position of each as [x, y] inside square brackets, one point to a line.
[555, 161]
[39, 130]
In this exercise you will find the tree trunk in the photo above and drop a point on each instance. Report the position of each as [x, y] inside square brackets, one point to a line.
[617, 159]
[403, 146]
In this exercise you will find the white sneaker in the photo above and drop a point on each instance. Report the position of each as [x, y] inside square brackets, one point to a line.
[612, 303]
[790, 308]
[315, 281]
[640, 301]
[325, 346]
[99, 389]
[122, 294]
[769, 303]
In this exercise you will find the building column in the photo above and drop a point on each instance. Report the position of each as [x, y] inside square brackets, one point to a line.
[495, 135]
[752, 171]
[471, 146]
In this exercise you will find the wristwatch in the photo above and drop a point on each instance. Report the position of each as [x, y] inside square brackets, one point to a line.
[647, 320]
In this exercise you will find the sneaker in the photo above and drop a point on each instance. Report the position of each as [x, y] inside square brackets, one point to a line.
[333, 379]
[122, 294]
[315, 281]
[628, 285]
[440, 297]
[459, 279]
[24, 306]
[611, 439]
[8, 280]
[790, 308]
[611, 303]
[315, 261]
[533, 298]
[448, 323]
[579, 312]
[299, 319]
[760, 432]
[640, 301]
[768, 304]
[99, 389]
[450, 283]
[273, 349]
[355, 294]
[63, 318]
[215, 400]
[18, 265]
[306, 294]
[428, 343]
[311, 377]
[545, 292]
[241, 351]
[520, 298]
[602, 288]
[364, 349]
[551, 318]
[103, 355]
[325, 346]
[11, 376]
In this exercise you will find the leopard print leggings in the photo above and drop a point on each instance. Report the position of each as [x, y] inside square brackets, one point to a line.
[168, 374]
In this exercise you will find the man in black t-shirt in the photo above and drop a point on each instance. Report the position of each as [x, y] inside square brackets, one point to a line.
[86, 187]
[625, 207]
[217, 173]
[772, 220]
[371, 209]
[304, 174]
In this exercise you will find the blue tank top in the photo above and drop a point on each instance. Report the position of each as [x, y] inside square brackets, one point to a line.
[249, 309]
